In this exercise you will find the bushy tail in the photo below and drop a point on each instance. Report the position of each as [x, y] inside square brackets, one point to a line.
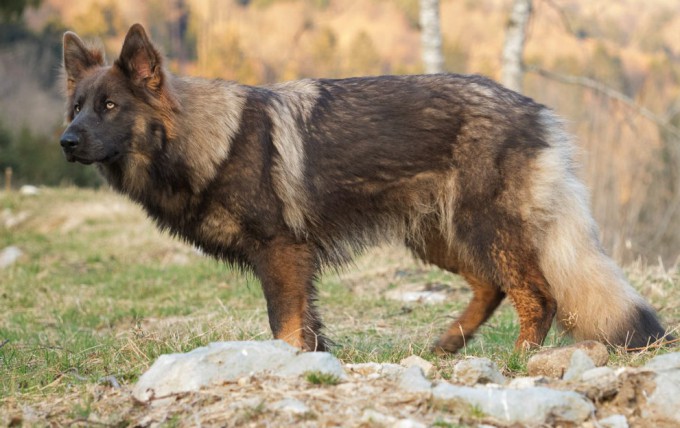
[594, 300]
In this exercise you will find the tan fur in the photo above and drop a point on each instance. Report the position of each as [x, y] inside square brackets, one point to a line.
[298, 99]
[218, 129]
[594, 299]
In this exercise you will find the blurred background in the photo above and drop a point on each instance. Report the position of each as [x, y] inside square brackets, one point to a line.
[610, 68]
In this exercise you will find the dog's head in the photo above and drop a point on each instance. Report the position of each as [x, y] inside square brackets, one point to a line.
[113, 110]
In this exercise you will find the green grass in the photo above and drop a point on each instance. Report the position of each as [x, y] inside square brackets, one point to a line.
[100, 293]
[321, 378]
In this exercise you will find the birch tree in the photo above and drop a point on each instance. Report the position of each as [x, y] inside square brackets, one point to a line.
[513, 72]
[431, 36]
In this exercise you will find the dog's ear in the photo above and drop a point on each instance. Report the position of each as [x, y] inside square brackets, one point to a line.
[140, 60]
[78, 58]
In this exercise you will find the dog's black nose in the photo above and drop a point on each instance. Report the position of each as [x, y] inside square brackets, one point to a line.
[69, 141]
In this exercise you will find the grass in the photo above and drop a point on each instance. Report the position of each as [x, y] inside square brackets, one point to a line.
[321, 378]
[100, 292]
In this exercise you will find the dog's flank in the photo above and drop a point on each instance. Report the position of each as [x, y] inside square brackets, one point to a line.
[289, 178]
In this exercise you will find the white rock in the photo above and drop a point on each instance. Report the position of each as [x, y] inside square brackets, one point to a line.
[228, 361]
[9, 256]
[29, 190]
[417, 361]
[312, 361]
[290, 405]
[471, 371]
[527, 382]
[580, 362]
[664, 362]
[530, 406]
[408, 423]
[664, 402]
[413, 380]
[427, 297]
[599, 383]
[614, 421]
[376, 370]
[371, 416]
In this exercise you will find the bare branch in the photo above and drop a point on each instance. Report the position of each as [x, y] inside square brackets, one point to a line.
[566, 21]
[610, 92]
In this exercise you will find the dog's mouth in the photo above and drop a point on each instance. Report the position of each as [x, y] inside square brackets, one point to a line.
[71, 157]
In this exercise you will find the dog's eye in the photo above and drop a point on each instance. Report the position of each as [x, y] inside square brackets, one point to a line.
[110, 105]
[76, 108]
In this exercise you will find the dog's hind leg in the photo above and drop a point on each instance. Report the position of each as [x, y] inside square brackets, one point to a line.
[486, 295]
[485, 300]
[529, 291]
[287, 271]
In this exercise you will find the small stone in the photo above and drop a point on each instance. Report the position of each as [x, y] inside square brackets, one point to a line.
[527, 382]
[9, 256]
[579, 363]
[613, 421]
[29, 190]
[408, 423]
[471, 371]
[415, 360]
[598, 383]
[290, 405]
[371, 416]
[413, 380]
[425, 297]
[554, 362]
[375, 370]
[363, 369]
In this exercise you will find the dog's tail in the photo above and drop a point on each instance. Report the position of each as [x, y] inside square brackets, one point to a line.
[594, 300]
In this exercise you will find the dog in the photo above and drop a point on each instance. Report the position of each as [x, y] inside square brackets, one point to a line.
[288, 179]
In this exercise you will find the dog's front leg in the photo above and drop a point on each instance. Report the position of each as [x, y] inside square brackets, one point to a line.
[287, 271]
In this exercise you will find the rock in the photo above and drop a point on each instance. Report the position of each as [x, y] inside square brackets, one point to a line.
[311, 361]
[413, 380]
[598, 383]
[290, 405]
[426, 297]
[664, 362]
[613, 421]
[371, 417]
[376, 370]
[9, 256]
[472, 371]
[530, 406]
[527, 382]
[579, 363]
[228, 361]
[664, 401]
[29, 190]
[555, 362]
[408, 423]
[415, 360]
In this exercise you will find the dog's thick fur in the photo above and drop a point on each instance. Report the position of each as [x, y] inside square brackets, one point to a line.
[290, 178]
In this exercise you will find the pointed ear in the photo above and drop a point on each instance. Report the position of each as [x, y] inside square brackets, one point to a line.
[140, 60]
[78, 58]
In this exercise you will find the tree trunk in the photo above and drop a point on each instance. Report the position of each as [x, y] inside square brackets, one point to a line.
[513, 72]
[431, 36]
